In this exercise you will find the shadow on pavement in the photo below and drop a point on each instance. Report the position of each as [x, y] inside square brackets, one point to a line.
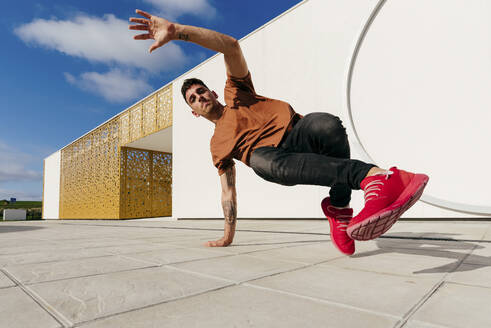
[440, 246]
[10, 228]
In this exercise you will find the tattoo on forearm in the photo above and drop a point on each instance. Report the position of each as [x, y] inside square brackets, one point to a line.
[230, 211]
[183, 36]
[230, 177]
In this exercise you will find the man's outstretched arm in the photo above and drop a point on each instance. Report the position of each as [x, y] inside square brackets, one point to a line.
[229, 205]
[163, 31]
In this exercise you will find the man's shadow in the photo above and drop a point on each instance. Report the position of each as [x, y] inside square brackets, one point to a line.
[439, 245]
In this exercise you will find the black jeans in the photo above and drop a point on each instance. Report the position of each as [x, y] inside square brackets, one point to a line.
[315, 152]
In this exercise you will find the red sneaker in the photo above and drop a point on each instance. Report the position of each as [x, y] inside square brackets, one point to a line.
[387, 197]
[338, 221]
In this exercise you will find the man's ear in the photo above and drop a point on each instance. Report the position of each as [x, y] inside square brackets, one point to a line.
[214, 94]
[195, 114]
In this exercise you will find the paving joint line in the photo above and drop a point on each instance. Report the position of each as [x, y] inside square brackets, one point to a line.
[243, 253]
[45, 262]
[320, 300]
[59, 317]
[200, 274]
[282, 232]
[83, 323]
[467, 285]
[431, 292]
[230, 283]
[90, 275]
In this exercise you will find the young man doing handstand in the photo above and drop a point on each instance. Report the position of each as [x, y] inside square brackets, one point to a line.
[283, 147]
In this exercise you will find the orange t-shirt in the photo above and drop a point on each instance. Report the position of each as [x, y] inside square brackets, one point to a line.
[249, 121]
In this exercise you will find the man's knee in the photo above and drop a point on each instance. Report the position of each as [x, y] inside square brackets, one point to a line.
[318, 122]
[325, 124]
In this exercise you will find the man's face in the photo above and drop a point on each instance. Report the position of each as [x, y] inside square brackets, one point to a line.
[201, 100]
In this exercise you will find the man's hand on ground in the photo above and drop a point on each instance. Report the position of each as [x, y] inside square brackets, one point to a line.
[159, 29]
[223, 242]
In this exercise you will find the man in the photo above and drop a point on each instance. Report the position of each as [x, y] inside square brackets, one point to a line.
[283, 147]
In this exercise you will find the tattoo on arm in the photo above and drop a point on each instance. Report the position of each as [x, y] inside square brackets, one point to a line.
[183, 36]
[230, 177]
[230, 211]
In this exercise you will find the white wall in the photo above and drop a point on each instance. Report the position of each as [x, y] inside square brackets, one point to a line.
[51, 197]
[304, 57]
[424, 73]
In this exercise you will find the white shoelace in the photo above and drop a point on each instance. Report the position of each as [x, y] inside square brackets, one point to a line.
[344, 219]
[372, 187]
[343, 222]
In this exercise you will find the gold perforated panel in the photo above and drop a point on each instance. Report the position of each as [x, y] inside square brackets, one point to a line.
[146, 183]
[162, 184]
[149, 123]
[164, 108]
[136, 122]
[101, 180]
[124, 125]
[89, 186]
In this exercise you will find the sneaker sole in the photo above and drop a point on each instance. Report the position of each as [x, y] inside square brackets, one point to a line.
[376, 225]
[330, 229]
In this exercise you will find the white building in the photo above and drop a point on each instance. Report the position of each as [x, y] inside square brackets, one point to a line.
[409, 79]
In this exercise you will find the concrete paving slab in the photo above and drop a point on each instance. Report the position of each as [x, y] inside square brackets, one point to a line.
[240, 247]
[5, 281]
[241, 306]
[472, 274]
[52, 256]
[481, 254]
[399, 241]
[487, 235]
[382, 293]
[238, 268]
[51, 246]
[21, 249]
[99, 242]
[419, 324]
[176, 255]
[403, 261]
[88, 298]
[181, 237]
[458, 230]
[18, 310]
[457, 306]
[307, 254]
[137, 248]
[16, 242]
[273, 268]
[40, 272]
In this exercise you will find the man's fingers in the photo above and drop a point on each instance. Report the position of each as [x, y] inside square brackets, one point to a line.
[139, 21]
[142, 37]
[139, 27]
[143, 13]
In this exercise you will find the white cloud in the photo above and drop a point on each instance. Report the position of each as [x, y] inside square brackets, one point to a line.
[115, 85]
[13, 166]
[171, 9]
[105, 40]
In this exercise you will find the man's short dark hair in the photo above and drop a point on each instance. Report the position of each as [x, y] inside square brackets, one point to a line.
[188, 83]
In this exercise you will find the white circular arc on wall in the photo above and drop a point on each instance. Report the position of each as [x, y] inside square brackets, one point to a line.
[418, 96]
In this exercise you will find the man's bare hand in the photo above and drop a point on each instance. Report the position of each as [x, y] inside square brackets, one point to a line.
[159, 29]
[223, 242]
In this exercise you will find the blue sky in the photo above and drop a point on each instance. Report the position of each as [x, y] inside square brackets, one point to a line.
[66, 66]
